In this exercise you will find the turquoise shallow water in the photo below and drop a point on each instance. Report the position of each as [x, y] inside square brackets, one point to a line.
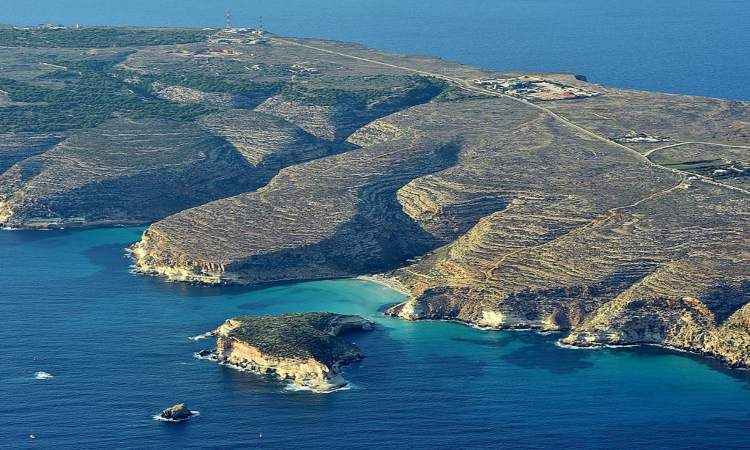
[118, 347]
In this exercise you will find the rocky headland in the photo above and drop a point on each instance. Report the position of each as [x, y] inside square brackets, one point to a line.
[614, 216]
[305, 349]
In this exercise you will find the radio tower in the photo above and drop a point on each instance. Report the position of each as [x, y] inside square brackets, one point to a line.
[260, 25]
[229, 20]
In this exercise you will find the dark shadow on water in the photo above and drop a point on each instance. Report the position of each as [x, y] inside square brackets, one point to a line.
[383, 308]
[540, 352]
[459, 367]
[110, 257]
[497, 341]
[204, 290]
[260, 306]
[22, 237]
[648, 351]
[114, 258]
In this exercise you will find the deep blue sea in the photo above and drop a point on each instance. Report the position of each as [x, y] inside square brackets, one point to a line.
[698, 47]
[118, 347]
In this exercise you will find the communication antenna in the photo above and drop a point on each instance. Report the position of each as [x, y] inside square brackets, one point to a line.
[229, 20]
[260, 25]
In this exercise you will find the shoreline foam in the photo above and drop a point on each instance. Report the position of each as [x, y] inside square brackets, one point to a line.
[287, 385]
[199, 337]
[159, 418]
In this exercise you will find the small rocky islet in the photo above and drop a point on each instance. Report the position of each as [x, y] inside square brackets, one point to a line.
[177, 413]
[304, 349]
[496, 199]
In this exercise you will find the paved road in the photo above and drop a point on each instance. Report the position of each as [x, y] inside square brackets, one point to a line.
[648, 153]
[467, 85]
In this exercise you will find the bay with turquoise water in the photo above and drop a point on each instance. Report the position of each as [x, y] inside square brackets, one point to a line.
[118, 348]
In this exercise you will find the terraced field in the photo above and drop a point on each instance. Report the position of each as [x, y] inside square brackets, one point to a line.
[303, 159]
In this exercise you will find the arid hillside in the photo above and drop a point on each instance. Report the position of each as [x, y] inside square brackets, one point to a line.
[502, 200]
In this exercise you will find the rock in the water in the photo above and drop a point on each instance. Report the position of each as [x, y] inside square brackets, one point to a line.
[309, 159]
[176, 413]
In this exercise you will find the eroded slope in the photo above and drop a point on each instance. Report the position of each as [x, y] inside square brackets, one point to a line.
[620, 218]
[155, 129]
[122, 172]
[546, 226]
[332, 217]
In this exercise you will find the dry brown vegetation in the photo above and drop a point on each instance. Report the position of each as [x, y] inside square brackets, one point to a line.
[489, 210]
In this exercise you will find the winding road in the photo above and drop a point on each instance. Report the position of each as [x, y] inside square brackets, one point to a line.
[467, 85]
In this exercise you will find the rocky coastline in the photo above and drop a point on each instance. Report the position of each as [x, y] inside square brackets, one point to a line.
[305, 349]
[682, 325]
[499, 200]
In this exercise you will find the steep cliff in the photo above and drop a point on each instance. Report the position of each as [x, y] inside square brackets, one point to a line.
[332, 217]
[304, 349]
[533, 224]
[619, 218]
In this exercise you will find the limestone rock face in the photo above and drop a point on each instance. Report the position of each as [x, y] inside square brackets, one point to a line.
[304, 349]
[601, 217]
[698, 304]
[332, 217]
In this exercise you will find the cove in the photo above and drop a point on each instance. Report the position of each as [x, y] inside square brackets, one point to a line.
[118, 348]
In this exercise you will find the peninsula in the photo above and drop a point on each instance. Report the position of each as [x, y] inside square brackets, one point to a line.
[497, 199]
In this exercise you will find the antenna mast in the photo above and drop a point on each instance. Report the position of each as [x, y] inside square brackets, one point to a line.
[260, 25]
[229, 20]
